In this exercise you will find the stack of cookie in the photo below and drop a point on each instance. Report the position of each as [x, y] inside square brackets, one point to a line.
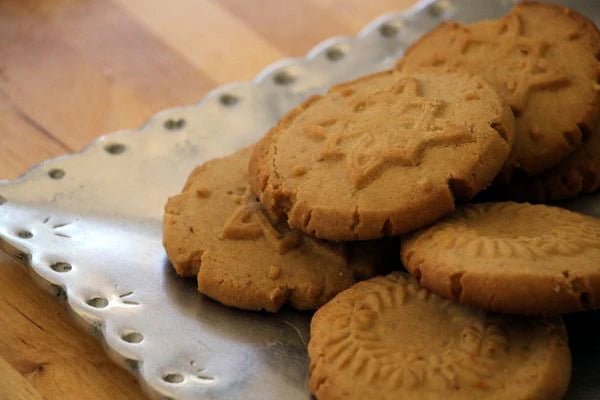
[300, 217]
[543, 60]
[245, 257]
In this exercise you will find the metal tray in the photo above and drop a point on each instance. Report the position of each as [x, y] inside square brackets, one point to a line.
[88, 226]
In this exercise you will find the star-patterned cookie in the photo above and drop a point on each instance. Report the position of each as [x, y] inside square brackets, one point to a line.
[382, 155]
[510, 257]
[245, 258]
[388, 338]
[543, 59]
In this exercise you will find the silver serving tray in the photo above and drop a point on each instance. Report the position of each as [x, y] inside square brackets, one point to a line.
[88, 226]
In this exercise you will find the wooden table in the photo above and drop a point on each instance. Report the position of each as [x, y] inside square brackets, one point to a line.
[71, 70]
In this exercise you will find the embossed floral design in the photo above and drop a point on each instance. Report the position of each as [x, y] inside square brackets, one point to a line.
[361, 342]
[473, 234]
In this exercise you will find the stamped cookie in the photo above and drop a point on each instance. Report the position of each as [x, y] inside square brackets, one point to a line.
[577, 174]
[389, 338]
[216, 229]
[382, 155]
[510, 257]
[543, 59]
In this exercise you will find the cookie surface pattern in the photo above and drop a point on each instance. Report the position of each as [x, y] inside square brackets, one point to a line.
[383, 339]
[351, 164]
[510, 257]
[552, 85]
[242, 256]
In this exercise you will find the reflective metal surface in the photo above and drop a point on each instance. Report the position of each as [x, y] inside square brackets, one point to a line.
[89, 228]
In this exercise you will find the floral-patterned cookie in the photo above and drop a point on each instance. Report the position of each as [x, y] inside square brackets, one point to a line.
[388, 338]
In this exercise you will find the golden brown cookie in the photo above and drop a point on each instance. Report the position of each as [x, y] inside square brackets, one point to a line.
[577, 174]
[542, 58]
[382, 155]
[216, 229]
[510, 257]
[389, 338]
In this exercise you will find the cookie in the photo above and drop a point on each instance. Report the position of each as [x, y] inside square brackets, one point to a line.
[543, 59]
[382, 155]
[389, 338]
[577, 174]
[216, 229]
[510, 257]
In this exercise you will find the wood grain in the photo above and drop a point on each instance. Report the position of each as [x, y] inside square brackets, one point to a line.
[71, 70]
[15, 384]
[192, 27]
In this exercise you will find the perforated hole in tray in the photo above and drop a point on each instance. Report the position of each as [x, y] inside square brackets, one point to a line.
[283, 78]
[56, 173]
[174, 124]
[389, 29]
[25, 234]
[98, 302]
[228, 100]
[61, 266]
[132, 337]
[173, 378]
[114, 148]
[335, 53]
[440, 8]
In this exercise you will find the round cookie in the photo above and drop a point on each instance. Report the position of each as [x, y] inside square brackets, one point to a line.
[577, 174]
[510, 257]
[382, 155]
[389, 338]
[543, 59]
[217, 230]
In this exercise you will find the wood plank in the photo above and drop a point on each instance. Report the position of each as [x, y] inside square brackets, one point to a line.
[293, 26]
[16, 154]
[59, 360]
[296, 26]
[83, 68]
[14, 386]
[208, 36]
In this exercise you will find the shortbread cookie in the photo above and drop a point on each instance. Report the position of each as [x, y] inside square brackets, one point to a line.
[577, 174]
[389, 338]
[544, 59]
[510, 257]
[382, 155]
[216, 229]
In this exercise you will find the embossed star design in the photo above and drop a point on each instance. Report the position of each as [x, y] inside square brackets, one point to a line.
[370, 153]
[249, 222]
[374, 153]
[534, 72]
